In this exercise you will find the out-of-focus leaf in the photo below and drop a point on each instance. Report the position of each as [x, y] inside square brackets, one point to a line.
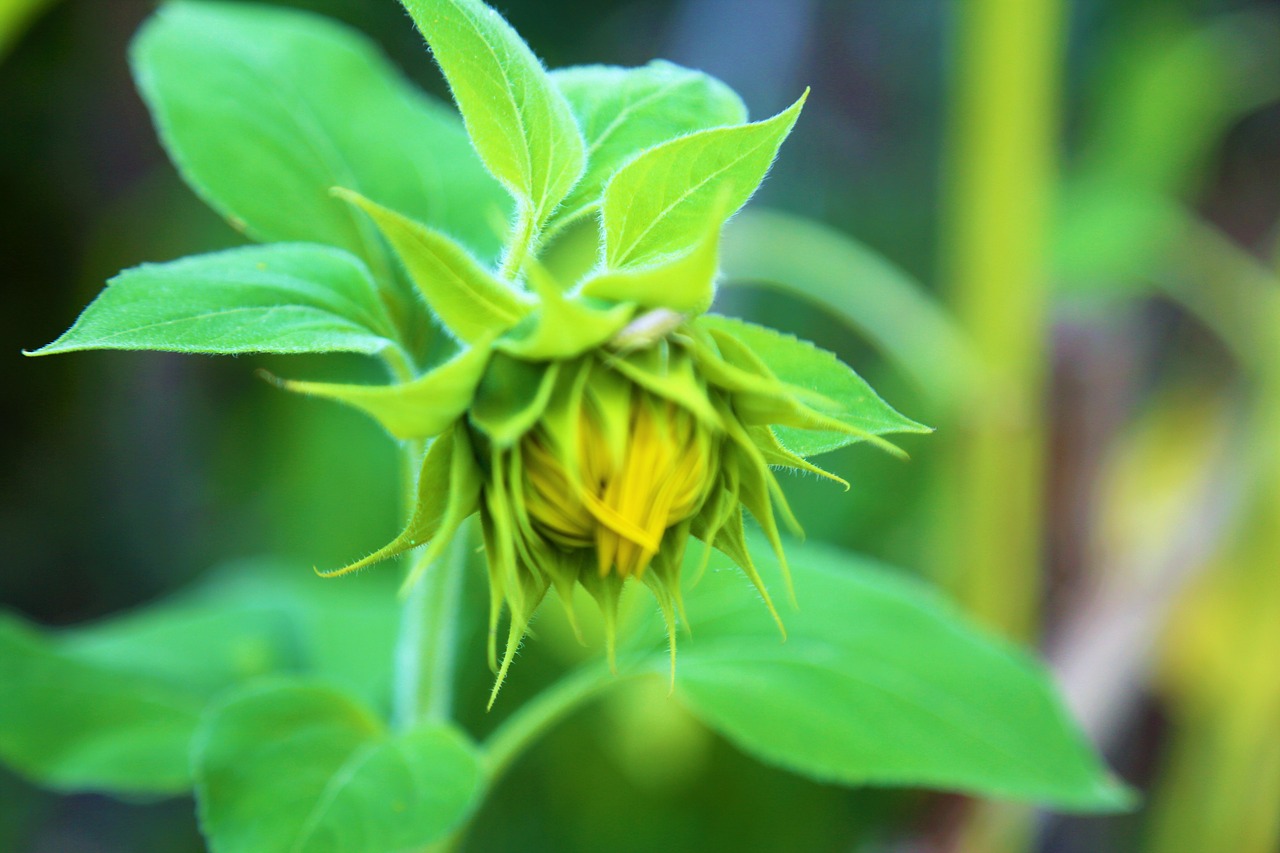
[15, 15]
[844, 395]
[880, 683]
[623, 111]
[856, 286]
[282, 298]
[264, 110]
[74, 725]
[518, 121]
[112, 706]
[661, 202]
[290, 766]
[1168, 96]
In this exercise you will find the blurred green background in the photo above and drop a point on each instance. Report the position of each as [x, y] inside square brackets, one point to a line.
[1076, 206]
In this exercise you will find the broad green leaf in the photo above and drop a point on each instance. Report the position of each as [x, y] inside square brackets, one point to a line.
[685, 284]
[848, 399]
[463, 294]
[623, 111]
[659, 204]
[422, 408]
[283, 298]
[880, 683]
[73, 725]
[289, 767]
[264, 110]
[253, 618]
[855, 285]
[518, 121]
[112, 706]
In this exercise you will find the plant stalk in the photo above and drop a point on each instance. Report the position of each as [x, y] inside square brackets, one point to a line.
[1002, 162]
[1002, 175]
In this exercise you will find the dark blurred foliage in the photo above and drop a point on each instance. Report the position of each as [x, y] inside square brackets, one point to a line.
[128, 476]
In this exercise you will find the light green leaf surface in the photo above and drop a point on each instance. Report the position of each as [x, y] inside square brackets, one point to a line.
[283, 298]
[880, 683]
[623, 111]
[463, 294]
[686, 283]
[111, 706]
[290, 767]
[74, 725]
[518, 121]
[659, 204]
[264, 110]
[421, 408]
[843, 394]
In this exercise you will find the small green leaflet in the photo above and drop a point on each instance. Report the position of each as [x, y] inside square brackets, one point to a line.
[879, 683]
[518, 121]
[844, 395]
[291, 766]
[659, 203]
[623, 111]
[465, 296]
[265, 109]
[281, 298]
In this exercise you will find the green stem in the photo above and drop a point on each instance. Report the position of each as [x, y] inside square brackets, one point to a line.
[521, 244]
[531, 720]
[426, 647]
[1003, 164]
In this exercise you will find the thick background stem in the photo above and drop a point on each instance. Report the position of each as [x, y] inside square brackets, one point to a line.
[1002, 172]
[1002, 161]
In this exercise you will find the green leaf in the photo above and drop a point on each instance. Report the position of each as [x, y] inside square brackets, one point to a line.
[685, 283]
[264, 110]
[422, 408]
[880, 683]
[77, 726]
[289, 766]
[518, 121]
[112, 706]
[283, 298]
[844, 395]
[623, 111]
[250, 619]
[659, 204]
[463, 294]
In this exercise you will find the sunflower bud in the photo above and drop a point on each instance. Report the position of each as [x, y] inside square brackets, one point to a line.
[595, 429]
